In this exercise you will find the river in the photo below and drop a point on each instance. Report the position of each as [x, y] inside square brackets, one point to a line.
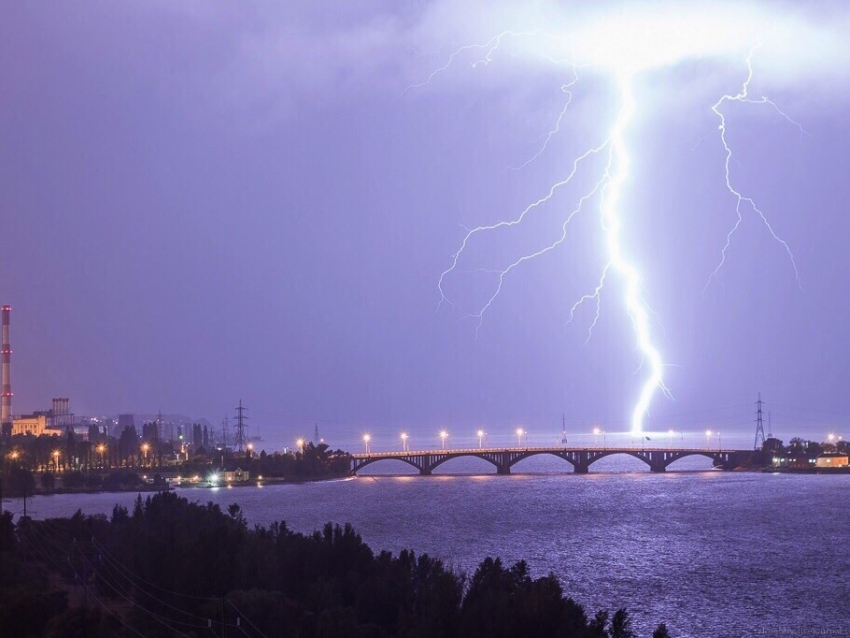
[711, 553]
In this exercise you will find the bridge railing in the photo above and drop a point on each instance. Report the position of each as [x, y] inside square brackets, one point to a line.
[500, 450]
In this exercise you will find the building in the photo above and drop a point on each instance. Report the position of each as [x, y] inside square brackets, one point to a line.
[794, 461]
[832, 460]
[60, 415]
[235, 476]
[34, 424]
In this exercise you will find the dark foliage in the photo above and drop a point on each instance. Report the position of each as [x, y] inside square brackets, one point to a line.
[168, 566]
[18, 482]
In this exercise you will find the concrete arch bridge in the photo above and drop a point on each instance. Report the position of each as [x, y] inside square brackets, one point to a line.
[580, 458]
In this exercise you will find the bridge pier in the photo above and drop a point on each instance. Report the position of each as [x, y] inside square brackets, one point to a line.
[657, 468]
[581, 469]
[503, 469]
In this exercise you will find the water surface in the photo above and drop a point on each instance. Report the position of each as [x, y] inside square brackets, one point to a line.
[711, 553]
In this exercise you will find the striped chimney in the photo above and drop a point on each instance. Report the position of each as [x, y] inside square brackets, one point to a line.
[6, 376]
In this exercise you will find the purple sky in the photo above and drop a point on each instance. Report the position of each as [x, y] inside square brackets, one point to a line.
[201, 204]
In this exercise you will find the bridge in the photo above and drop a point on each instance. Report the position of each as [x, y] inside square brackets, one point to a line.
[580, 458]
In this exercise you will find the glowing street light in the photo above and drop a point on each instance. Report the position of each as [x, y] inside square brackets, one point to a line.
[519, 433]
[366, 439]
[404, 445]
[56, 459]
[145, 448]
[596, 433]
[299, 443]
[707, 439]
[480, 434]
[443, 436]
[719, 447]
[671, 433]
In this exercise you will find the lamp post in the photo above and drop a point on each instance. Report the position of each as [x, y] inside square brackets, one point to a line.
[56, 459]
[480, 434]
[671, 433]
[145, 448]
[367, 439]
[519, 433]
[443, 436]
[404, 445]
[707, 439]
[719, 446]
[596, 433]
[299, 443]
[101, 449]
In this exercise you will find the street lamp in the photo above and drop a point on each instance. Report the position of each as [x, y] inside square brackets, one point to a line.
[480, 434]
[101, 449]
[596, 433]
[671, 433]
[145, 448]
[404, 445]
[443, 436]
[299, 443]
[719, 446]
[519, 433]
[707, 439]
[56, 459]
[366, 439]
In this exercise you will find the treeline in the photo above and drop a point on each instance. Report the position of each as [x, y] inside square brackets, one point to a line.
[311, 462]
[18, 482]
[173, 568]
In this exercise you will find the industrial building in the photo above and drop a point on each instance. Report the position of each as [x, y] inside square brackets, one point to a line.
[34, 424]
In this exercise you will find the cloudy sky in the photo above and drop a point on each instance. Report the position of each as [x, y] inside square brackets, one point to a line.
[205, 202]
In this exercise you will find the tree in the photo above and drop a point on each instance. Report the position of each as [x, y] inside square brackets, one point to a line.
[19, 482]
[661, 632]
[621, 625]
[598, 627]
[48, 481]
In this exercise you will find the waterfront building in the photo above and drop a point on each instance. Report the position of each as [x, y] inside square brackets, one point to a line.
[832, 460]
[236, 475]
[794, 461]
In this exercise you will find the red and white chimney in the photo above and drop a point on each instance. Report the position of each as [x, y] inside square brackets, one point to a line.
[6, 373]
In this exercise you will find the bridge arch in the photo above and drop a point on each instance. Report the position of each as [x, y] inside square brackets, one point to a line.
[441, 461]
[370, 461]
[708, 455]
[596, 455]
[522, 456]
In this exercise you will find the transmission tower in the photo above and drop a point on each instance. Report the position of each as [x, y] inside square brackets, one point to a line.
[241, 439]
[759, 424]
[316, 438]
[225, 426]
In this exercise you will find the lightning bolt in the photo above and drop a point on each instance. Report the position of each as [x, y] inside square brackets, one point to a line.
[617, 173]
[609, 188]
[740, 199]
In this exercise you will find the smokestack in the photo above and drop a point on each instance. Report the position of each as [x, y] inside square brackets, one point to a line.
[6, 376]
